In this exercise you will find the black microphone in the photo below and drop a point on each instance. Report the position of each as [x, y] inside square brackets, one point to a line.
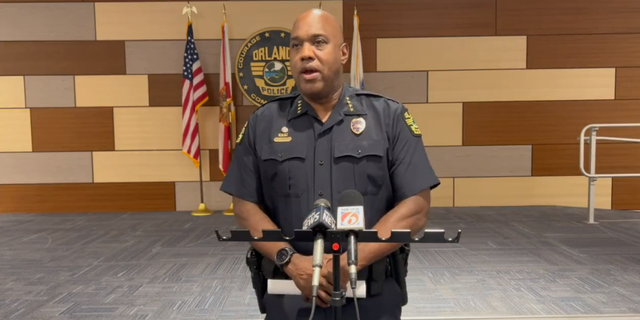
[320, 220]
[350, 216]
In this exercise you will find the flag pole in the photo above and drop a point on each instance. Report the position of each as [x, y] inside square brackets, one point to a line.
[229, 211]
[202, 207]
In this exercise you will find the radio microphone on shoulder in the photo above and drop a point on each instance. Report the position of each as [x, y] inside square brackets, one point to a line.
[350, 214]
[320, 220]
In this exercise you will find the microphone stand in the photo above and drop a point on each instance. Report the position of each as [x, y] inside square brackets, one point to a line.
[339, 242]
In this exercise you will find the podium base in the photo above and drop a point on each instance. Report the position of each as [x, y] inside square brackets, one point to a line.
[228, 212]
[202, 210]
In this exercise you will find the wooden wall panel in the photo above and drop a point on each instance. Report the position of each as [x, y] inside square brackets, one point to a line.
[443, 195]
[12, 93]
[166, 57]
[530, 191]
[45, 167]
[87, 197]
[62, 58]
[162, 90]
[583, 51]
[628, 83]
[209, 119]
[456, 53]
[147, 166]
[113, 91]
[407, 87]
[159, 21]
[216, 173]
[188, 196]
[440, 123]
[552, 122]
[489, 161]
[530, 17]
[15, 130]
[626, 194]
[521, 85]
[148, 128]
[72, 129]
[369, 53]
[421, 18]
[47, 21]
[563, 160]
[50, 91]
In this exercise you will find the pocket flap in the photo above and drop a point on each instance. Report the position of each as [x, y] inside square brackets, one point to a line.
[282, 151]
[359, 148]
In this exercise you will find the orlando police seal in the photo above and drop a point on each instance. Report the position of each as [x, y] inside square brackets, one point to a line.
[262, 67]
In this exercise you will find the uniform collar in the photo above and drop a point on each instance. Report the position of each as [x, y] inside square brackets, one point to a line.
[348, 103]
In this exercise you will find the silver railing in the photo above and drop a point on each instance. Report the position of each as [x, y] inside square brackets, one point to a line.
[593, 177]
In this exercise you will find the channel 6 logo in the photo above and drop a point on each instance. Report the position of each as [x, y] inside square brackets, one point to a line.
[351, 217]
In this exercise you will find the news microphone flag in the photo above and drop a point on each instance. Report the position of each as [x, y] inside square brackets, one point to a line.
[227, 109]
[194, 95]
[357, 75]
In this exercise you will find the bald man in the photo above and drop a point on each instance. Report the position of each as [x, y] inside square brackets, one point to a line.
[316, 143]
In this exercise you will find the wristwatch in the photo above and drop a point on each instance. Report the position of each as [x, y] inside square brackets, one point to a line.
[283, 256]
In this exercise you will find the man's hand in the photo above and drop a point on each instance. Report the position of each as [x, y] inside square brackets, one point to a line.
[300, 270]
[326, 281]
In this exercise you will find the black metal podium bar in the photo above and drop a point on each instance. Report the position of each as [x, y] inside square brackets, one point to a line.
[338, 240]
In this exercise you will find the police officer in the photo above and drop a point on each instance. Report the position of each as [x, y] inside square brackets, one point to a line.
[326, 138]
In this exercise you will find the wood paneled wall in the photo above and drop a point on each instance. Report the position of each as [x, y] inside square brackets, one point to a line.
[90, 96]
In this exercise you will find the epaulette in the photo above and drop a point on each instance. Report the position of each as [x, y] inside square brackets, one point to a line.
[369, 93]
[293, 95]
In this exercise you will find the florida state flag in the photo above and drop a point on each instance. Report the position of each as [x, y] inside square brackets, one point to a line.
[227, 109]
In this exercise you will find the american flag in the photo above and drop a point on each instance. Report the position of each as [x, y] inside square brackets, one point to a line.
[227, 109]
[194, 95]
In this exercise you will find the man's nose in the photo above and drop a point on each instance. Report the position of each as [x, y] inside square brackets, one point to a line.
[307, 52]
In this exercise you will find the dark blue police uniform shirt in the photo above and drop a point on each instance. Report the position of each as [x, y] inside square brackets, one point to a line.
[287, 158]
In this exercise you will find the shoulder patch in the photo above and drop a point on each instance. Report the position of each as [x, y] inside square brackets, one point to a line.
[413, 126]
[241, 134]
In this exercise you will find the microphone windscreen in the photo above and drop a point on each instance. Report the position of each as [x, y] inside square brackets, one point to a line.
[350, 198]
[322, 202]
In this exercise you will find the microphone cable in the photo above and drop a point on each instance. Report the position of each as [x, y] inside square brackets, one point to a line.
[355, 299]
[313, 307]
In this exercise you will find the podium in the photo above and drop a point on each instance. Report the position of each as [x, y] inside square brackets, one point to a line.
[338, 239]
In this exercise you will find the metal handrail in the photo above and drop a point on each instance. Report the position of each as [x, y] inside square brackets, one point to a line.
[592, 159]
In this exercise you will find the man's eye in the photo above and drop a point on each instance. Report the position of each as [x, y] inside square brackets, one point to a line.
[294, 45]
[320, 41]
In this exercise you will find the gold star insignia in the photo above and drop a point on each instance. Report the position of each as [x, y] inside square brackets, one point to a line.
[241, 74]
[266, 34]
[282, 35]
[246, 87]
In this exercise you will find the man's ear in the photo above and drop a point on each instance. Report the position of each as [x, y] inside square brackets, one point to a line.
[344, 53]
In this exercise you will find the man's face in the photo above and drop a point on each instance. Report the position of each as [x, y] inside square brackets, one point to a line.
[316, 56]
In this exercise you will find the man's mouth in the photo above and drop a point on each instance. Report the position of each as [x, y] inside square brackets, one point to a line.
[310, 73]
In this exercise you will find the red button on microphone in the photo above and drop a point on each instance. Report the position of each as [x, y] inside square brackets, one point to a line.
[335, 247]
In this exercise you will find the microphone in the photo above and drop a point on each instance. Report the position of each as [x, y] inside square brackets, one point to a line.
[350, 215]
[320, 220]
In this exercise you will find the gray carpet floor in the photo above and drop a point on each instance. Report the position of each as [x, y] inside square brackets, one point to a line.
[156, 266]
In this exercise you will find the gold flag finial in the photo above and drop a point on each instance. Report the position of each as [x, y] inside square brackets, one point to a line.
[188, 9]
[355, 9]
[224, 12]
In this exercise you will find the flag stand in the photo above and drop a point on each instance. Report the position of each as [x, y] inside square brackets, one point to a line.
[228, 212]
[202, 208]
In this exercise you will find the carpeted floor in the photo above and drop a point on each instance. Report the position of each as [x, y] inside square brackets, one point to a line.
[157, 266]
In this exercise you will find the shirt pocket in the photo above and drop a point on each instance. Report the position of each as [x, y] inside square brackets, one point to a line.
[284, 167]
[360, 164]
